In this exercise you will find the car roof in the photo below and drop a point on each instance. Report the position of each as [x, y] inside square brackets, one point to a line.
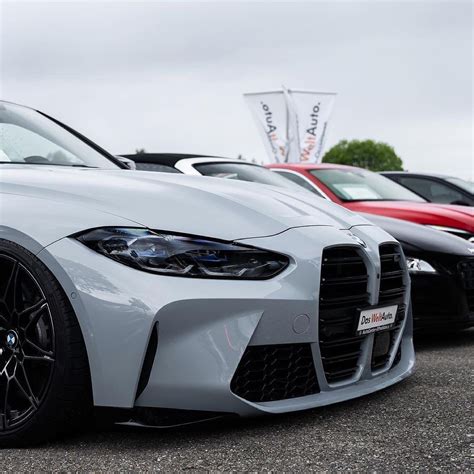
[411, 173]
[311, 166]
[314, 166]
[169, 159]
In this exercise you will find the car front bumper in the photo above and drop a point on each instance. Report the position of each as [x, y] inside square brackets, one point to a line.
[204, 327]
[445, 300]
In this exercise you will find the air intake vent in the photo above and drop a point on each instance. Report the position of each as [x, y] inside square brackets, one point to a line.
[343, 292]
[275, 372]
[148, 361]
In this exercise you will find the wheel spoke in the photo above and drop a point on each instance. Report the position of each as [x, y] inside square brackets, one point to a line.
[4, 368]
[39, 305]
[36, 316]
[44, 358]
[39, 349]
[11, 287]
[3, 322]
[12, 279]
[5, 404]
[26, 390]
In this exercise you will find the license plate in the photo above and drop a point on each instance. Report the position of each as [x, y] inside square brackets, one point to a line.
[376, 319]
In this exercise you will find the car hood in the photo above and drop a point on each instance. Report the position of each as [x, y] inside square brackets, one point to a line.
[460, 217]
[421, 238]
[208, 207]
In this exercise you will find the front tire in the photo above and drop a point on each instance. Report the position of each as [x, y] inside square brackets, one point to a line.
[44, 372]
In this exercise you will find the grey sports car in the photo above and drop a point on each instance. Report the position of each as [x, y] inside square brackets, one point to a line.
[152, 293]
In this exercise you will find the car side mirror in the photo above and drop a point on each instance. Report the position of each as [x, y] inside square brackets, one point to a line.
[130, 164]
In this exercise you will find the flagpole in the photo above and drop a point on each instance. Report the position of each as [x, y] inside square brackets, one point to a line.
[288, 145]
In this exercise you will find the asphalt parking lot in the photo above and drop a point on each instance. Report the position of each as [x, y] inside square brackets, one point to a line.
[421, 424]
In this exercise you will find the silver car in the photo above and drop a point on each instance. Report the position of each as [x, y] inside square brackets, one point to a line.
[169, 297]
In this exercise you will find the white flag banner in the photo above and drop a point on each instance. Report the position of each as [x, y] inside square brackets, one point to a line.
[312, 110]
[270, 112]
[293, 151]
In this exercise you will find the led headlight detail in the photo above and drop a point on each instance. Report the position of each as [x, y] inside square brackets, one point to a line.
[177, 255]
[416, 265]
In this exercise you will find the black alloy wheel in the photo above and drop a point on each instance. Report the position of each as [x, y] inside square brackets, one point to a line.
[27, 343]
[45, 385]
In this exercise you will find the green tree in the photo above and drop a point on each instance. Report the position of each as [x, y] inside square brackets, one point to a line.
[140, 151]
[369, 154]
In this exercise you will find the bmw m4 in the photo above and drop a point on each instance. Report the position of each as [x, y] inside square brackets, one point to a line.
[161, 295]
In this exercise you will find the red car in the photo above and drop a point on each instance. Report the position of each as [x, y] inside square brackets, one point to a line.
[364, 191]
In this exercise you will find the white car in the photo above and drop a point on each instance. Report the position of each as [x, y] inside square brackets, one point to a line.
[149, 293]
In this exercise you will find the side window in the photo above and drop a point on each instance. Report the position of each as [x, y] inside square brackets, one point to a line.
[20, 145]
[445, 194]
[156, 167]
[299, 180]
[417, 185]
[431, 190]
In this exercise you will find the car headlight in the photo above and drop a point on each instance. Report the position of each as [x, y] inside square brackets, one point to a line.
[185, 256]
[416, 265]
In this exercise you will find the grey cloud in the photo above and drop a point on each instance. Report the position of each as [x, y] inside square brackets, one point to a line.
[169, 76]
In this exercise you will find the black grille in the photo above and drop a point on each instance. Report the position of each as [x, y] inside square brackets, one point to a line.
[392, 287]
[275, 372]
[392, 291]
[343, 292]
[466, 271]
[279, 372]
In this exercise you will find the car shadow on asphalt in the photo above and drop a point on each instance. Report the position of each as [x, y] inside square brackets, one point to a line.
[446, 340]
[129, 438]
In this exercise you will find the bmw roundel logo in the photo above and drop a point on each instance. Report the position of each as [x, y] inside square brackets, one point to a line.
[11, 339]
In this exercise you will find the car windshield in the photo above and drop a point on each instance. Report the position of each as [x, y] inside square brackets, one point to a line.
[245, 172]
[356, 184]
[27, 137]
[463, 184]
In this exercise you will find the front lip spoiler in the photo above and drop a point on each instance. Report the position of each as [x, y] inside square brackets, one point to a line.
[144, 417]
[137, 424]
[138, 416]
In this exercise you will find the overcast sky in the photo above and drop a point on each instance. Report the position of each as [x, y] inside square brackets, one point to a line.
[170, 76]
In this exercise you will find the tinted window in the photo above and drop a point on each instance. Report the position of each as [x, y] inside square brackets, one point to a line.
[28, 137]
[463, 184]
[355, 184]
[245, 172]
[156, 167]
[299, 180]
[432, 190]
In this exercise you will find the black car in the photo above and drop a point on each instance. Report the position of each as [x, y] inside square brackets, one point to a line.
[441, 265]
[436, 187]
[442, 274]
